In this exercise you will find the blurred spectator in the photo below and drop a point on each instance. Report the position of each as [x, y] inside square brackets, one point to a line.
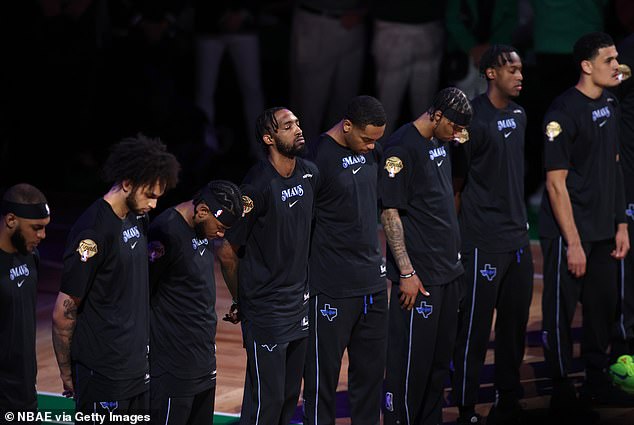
[472, 26]
[228, 25]
[327, 55]
[625, 13]
[557, 25]
[412, 68]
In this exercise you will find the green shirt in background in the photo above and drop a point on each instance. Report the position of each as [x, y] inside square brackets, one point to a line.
[559, 23]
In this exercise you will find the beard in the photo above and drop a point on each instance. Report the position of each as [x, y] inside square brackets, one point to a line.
[132, 204]
[290, 151]
[199, 230]
[18, 241]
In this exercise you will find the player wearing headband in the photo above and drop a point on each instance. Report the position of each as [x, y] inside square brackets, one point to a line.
[101, 316]
[24, 214]
[423, 262]
[183, 303]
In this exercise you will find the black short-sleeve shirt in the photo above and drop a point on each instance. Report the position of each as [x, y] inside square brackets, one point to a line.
[416, 179]
[345, 257]
[625, 93]
[18, 301]
[493, 213]
[183, 299]
[106, 266]
[581, 136]
[275, 239]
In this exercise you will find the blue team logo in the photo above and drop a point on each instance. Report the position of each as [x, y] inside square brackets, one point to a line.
[489, 272]
[601, 113]
[21, 270]
[198, 243]
[132, 232]
[329, 312]
[389, 402]
[352, 160]
[629, 211]
[111, 406]
[437, 153]
[425, 309]
[293, 191]
[507, 124]
[269, 347]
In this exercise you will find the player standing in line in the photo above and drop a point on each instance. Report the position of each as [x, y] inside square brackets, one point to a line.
[583, 229]
[24, 213]
[101, 319]
[348, 297]
[183, 303]
[266, 256]
[624, 343]
[421, 228]
[496, 254]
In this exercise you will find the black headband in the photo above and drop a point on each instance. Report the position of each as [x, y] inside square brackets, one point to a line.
[223, 215]
[456, 117]
[29, 211]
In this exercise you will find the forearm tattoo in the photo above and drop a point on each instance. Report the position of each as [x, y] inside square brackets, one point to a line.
[393, 228]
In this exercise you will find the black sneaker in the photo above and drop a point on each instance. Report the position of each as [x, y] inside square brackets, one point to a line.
[565, 411]
[611, 395]
[473, 418]
[507, 412]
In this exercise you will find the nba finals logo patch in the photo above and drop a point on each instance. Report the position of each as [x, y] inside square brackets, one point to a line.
[393, 166]
[87, 249]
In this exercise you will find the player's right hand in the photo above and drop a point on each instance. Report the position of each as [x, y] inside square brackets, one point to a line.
[576, 257]
[69, 389]
[233, 316]
[408, 291]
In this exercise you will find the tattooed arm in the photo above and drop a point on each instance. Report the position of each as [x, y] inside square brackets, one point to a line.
[408, 286]
[228, 258]
[64, 321]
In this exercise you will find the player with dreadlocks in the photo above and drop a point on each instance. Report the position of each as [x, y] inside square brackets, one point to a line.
[101, 317]
[266, 254]
[183, 298]
[423, 262]
[496, 253]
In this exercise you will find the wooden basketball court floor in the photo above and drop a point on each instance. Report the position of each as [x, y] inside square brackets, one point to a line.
[231, 356]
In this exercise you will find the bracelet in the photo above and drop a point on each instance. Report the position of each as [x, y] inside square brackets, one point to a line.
[408, 275]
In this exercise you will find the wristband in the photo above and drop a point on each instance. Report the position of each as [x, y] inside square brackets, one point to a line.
[408, 275]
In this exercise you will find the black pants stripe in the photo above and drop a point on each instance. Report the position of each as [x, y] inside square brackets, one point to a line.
[170, 408]
[273, 381]
[358, 324]
[624, 335]
[420, 346]
[501, 282]
[597, 291]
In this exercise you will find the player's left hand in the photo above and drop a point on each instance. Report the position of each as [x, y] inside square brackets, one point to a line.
[233, 316]
[622, 242]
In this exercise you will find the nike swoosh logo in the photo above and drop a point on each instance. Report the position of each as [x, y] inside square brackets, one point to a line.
[202, 252]
[293, 203]
[134, 244]
[506, 135]
[20, 283]
[440, 163]
[601, 124]
[307, 176]
[356, 171]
